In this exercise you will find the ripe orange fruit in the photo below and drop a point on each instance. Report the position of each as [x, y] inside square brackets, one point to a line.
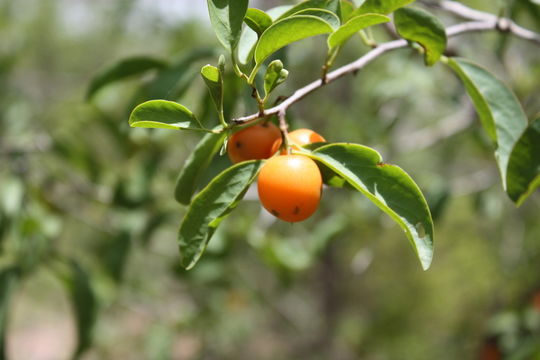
[299, 137]
[254, 142]
[290, 187]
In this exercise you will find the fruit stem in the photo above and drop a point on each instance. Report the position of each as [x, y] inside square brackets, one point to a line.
[284, 128]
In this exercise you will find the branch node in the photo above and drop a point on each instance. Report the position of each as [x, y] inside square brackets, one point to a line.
[503, 25]
[324, 79]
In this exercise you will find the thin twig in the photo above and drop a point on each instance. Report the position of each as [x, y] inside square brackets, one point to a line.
[482, 22]
[498, 23]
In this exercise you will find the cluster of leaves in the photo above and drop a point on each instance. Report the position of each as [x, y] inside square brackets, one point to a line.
[76, 215]
[388, 186]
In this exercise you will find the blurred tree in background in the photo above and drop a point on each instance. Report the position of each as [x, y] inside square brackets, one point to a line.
[88, 222]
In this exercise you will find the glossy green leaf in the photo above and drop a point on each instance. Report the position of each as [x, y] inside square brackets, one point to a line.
[324, 14]
[214, 81]
[211, 206]
[380, 6]
[195, 165]
[331, 5]
[275, 75]
[388, 187]
[523, 175]
[424, 28]
[499, 110]
[227, 17]
[287, 31]
[8, 280]
[351, 27]
[257, 20]
[346, 9]
[122, 70]
[246, 46]
[163, 114]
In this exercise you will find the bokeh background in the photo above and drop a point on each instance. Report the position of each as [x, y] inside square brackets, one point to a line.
[88, 222]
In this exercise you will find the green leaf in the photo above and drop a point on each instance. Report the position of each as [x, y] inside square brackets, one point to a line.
[351, 27]
[287, 31]
[276, 12]
[211, 206]
[195, 165]
[380, 6]
[499, 110]
[214, 81]
[163, 114]
[8, 281]
[346, 10]
[227, 17]
[171, 82]
[257, 20]
[331, 5]
[113, 254]
[324, 14]
[523, 175]
[122, 70]
[246, 45]
[424, 28]
[388, 187]
[275, 75]
[84, 302]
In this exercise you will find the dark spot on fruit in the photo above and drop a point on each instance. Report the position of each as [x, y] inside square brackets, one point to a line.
[265, 125]
[238, 144]
[275, 213]
[296, 210]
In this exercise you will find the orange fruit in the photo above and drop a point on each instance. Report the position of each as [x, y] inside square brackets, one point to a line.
[299, 137]
[290, 187]
[254, 142]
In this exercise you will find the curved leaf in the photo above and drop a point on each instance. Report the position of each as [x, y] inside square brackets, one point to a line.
[499, 110]
[257, 20]
[331, 5]
[227, 17]
[121, 70]
[388, 187]
[83, 299]
[163, 114]
[211, 206]
[246, 45]
[523, 175]
[351, 27]
[276, 12]
[324, 14]
[287, 31]
[424, 28]
[171, 82]
[346, 8]
[214, 81]
[195, 165]
[380, 6]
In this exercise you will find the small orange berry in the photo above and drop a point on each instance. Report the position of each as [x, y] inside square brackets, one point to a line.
[290, 187]
[254, 142]
[299, 137]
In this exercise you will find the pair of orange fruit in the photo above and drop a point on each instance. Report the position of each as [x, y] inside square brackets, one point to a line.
[289, 186]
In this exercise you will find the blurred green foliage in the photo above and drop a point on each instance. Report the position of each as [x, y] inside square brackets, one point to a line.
[88, 218]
